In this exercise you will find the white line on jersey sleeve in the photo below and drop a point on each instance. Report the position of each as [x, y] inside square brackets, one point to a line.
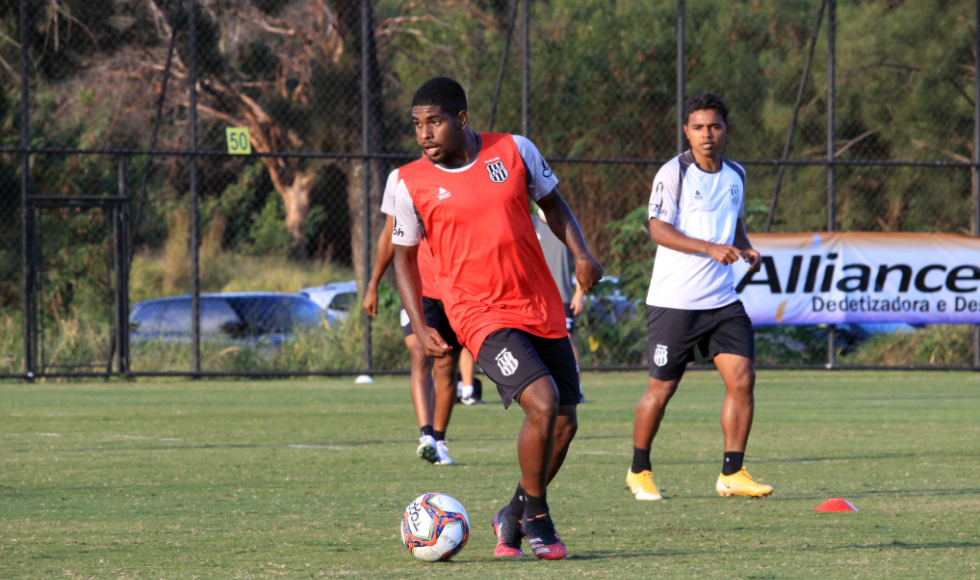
[541, 179]
[741, 205]
[663, 196]
[388, 199]
[406, 231]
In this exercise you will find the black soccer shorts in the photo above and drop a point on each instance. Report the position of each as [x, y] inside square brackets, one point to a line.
[674, 333]
[569, 318]
[435, 317]
[514, 359]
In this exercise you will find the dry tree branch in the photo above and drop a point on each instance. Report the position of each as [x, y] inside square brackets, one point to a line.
[854, 142]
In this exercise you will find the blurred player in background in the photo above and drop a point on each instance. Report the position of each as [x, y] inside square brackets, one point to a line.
[469, 198]
[466, 389]
[696, 210]
[432, 382]
[561, 263]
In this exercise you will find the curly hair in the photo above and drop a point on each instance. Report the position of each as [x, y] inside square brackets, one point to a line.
[441, 92]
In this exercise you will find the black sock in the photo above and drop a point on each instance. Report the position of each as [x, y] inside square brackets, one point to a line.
[427, 430]
[733, 462]
[641, 460]
[439, 435]
[516, 507]
[535, 506]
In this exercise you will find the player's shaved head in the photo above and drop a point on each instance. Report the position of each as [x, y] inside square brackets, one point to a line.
[442, 92]
[703, 102]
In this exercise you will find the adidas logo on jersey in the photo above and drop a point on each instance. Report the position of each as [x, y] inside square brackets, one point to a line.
[697, 195]
[443, 194]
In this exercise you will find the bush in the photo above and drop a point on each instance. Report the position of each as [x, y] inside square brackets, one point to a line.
[937, 345]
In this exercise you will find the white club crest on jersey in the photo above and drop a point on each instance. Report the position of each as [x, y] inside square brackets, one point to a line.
[660, 355]
[498, 173]
[507, 363]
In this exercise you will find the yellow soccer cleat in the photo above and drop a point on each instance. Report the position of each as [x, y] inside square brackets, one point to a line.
[741, 483]
[642, 486]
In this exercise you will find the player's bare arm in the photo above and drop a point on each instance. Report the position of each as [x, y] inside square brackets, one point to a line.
[410, 286]
[749, 254]
[578, 300]
[561, 220]
[664, 234]
[386, 252]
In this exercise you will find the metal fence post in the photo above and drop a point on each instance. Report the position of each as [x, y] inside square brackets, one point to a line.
[123, 253]
[366, 169]
[120, 322]
[680, 76]
[26, 218]
[195, 214]
[796, 113]
[503, 64]
[831, 136]
[975, 328]
[526, 73]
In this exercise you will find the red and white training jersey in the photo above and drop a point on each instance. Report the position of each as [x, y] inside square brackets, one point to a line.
[427, 267]
[490, 270]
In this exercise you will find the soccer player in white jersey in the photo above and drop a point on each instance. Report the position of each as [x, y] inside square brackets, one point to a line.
[431, 383]
[696, 210]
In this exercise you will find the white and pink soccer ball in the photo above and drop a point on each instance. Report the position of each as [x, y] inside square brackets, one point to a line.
[435, 527]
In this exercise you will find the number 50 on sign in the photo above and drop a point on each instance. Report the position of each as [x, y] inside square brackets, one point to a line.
[238, 141]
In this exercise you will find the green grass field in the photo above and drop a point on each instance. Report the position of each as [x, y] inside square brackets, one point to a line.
[308, 479]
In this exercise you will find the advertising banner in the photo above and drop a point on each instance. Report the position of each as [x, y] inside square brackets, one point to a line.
[850, 277]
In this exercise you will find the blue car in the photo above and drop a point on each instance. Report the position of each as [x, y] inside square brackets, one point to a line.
[242, 318]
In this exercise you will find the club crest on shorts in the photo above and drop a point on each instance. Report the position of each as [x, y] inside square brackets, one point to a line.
[506, 362]
[660, 355]
[404, 318]
[498, 173]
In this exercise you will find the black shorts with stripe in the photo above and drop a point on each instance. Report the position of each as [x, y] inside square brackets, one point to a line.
[435, 317]
[514, 359]
[674, 333]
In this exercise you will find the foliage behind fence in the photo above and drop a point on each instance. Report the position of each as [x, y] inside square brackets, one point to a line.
[327, 111]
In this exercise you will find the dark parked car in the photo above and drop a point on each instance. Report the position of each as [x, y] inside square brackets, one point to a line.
[246, 318]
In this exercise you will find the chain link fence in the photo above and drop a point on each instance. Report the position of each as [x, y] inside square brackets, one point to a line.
[141, 237]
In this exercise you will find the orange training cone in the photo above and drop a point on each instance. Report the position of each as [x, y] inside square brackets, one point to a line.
[836, 505]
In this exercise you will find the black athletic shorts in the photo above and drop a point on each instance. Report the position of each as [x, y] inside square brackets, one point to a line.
[435, 317]
[569, 318]
[514, 359]
[674, 333]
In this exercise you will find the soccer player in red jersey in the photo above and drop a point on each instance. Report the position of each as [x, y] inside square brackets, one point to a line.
[469, 197]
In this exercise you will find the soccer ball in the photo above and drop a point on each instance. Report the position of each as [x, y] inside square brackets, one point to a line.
[435, 527]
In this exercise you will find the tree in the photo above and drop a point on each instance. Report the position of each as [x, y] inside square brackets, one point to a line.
[257, 63]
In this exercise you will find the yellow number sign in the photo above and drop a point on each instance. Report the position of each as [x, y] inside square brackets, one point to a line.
[238, 141]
